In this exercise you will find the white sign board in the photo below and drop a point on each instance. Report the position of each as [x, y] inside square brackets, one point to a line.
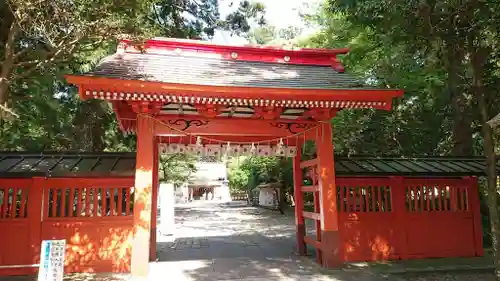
[52, 260]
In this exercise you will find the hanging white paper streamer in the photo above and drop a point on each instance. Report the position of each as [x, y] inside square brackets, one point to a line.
[163, 148]
[279, 151]
[194, 149]
[173, 148]
[264, 150]
[291, 151]
[182, 148]
[236, 150]
[218, 150]
[212, 150]
[246, 149]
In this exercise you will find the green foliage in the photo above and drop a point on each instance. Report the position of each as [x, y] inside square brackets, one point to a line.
[47, 39]
[389, 49]
[248, 172]
[176, 168]
[270, 35]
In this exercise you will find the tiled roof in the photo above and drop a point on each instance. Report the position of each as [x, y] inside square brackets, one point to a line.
[70, 164]
[211, 71]
[66, 164]
[423, 167]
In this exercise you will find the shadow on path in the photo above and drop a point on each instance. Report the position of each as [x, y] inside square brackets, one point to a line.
[236, 242]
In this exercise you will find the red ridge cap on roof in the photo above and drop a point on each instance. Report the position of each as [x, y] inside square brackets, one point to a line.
[255, 53]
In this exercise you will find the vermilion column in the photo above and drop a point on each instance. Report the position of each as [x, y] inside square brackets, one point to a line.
[330, 236]
[142, 196]
[299, 201]
[154, 205]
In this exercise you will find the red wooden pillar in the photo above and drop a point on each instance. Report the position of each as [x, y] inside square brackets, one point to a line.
[299, 201]
[475, 205]
[142, 196]
[331, 243]
[154, 205]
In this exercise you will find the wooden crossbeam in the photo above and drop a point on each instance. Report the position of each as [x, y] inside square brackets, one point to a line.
[309, 163]
[312, 241]
[310, 188]
[311, 215]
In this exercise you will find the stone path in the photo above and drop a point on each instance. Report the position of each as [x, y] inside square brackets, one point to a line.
[236, 242]
[229, 242]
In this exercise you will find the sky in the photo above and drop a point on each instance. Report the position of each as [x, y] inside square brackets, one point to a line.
[279, 13]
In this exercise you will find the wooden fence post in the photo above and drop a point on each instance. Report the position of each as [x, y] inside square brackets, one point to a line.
[475, 208]
[398, 191]
[35, 216]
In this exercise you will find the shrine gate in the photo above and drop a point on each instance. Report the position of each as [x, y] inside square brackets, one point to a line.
[192, 92]
[191, 95]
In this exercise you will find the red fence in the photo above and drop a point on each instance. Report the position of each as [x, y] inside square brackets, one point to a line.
[16, 230]
[93, 215]
[379, 219]
[402, 218]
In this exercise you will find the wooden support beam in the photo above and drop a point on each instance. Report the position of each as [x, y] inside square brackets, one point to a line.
[309, 163]
[330, 236]
[299, 202]
[154, 205]
[313, 242]
[310, 188]
[317, 210]
[180, 125]
[311, 215]
[142, 197]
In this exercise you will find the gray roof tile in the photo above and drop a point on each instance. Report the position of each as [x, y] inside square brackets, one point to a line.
[209, 71]
[71, 164]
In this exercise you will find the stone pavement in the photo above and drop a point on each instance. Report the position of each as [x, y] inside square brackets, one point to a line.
[232, 241]
[218, 241]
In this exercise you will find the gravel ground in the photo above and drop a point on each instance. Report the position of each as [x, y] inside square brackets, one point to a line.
[449, 276]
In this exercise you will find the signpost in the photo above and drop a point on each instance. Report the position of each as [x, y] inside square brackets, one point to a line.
[52, 260]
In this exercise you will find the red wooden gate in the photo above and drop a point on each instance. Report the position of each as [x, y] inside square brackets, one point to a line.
[440, 218]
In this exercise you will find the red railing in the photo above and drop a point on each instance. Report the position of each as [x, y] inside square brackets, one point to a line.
[93, 215]
[399, 218]
[14, 198]
[88, 198]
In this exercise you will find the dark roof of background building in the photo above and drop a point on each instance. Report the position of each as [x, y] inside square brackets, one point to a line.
[106, 164]
[66, 164]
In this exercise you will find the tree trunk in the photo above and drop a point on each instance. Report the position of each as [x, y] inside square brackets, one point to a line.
[478, 59]
[492, 196]
[7, 64]
[462, 120]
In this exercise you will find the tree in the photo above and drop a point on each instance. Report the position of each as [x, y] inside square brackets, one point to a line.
[445, 54]
[44, 45]
[270, 35]
[200, 18]
[38, 33]
[176, 168]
